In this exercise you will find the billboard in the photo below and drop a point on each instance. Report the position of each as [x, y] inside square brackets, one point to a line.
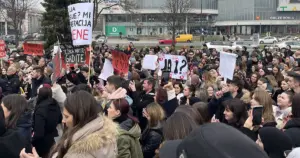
[288, 5]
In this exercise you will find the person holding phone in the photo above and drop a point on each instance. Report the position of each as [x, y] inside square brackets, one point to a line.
[235, 114]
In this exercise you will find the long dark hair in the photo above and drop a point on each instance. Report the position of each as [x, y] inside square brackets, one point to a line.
[84, 108]
[239, 110]
[17, 105]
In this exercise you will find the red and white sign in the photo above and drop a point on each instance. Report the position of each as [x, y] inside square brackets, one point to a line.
[81, 22]
[2, 49]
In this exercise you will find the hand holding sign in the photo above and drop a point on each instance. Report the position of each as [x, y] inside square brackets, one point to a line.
[120, 61]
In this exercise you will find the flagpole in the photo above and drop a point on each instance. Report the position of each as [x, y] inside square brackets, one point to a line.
[91, 54]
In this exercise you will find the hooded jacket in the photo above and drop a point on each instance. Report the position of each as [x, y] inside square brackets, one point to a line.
[128, 140]
[292, 129]
[97, 139]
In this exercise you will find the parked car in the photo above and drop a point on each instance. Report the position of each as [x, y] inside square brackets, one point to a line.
[166, 41]
[220, 45]
[288, 38]
[10, 39]
[246, 42]
[132, 38]
[295, 45]
[100, 39]
[268, 40]
[184, 38]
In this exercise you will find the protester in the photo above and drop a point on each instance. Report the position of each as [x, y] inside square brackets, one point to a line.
[152, 135]
[292, 126]
[274, 142]
[38, 78]
[18, 116]
[47, 115]
[130, 132]
[11, 142]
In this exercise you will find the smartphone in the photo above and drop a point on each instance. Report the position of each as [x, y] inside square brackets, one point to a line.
[257, 113]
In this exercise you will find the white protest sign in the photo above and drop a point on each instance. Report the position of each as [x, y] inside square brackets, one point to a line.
[149, 62]
[175, 64]
[81, 22]
[107, 70]
[227, 65]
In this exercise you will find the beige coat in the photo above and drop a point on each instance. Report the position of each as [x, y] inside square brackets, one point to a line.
[97, 139]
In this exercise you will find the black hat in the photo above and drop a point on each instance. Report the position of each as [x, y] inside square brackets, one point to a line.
[217, 140]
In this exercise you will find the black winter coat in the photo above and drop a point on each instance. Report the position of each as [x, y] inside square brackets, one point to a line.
[150, 140]
[292, 129]
[24, 127]
[140, 101]
[216, 107]
[36, 83]
[11, 144]
[47, 116]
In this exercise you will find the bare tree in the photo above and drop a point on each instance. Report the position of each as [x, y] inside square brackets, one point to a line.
[14, 12]
[126, 5]
[175, 12]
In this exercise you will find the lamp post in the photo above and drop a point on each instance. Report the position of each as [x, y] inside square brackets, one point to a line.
[201, 7]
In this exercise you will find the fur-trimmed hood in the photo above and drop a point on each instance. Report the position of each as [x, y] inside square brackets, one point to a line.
[97, 139]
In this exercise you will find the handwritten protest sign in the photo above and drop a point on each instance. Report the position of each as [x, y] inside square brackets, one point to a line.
[81, 22]
[74, 54]
[227, 65]
[149, 62]
[120, 61]
[175, 64]
[2, 49]
[33, 49]
[107, 70]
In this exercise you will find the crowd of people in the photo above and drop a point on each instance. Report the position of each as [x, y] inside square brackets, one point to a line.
[146, 113]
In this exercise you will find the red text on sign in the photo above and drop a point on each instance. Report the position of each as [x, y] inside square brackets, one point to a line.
[81, 34]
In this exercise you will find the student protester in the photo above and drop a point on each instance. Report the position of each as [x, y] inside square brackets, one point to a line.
[89, 134]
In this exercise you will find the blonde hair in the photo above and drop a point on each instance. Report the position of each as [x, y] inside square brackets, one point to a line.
[264, 99]
[156, 113]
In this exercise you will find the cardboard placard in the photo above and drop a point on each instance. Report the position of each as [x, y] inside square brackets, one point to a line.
[81, 22]
[2, 49]
[227, 65]
[120, 61]
[74, 54]
[175, 64]
[33, 49]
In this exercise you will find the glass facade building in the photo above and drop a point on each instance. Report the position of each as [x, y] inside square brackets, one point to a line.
[149, 20]
[255, 16]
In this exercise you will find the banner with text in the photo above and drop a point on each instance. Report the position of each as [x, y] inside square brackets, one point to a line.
[81, 22]
[33, 49]
[74, 54]
[120, 61]
[175, 64]
[2, 49]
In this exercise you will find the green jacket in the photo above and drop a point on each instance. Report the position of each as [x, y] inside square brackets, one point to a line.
[129, 144]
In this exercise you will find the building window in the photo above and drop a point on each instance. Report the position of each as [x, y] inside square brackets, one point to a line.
[160, 30]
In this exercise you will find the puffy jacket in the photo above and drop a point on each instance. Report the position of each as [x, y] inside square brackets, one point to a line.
[150, 140]
[24, 127]
[128, 140]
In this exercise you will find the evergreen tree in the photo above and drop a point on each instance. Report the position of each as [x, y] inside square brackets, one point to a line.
[56, 22]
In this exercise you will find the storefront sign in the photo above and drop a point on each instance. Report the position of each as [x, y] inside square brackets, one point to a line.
[115, 30]
[288, 5]
[282, 18]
